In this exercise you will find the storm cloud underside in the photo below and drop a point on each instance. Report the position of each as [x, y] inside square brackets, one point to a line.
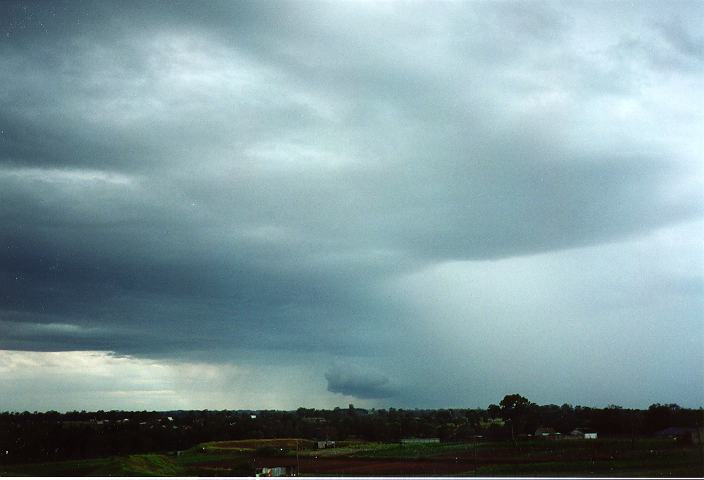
[393, 203]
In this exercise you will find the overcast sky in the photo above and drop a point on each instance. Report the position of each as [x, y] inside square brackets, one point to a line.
[411, 204]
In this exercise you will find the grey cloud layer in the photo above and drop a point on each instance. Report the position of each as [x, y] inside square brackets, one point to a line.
[350, 379]
[228, 178]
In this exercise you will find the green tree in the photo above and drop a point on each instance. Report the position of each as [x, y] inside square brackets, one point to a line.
[515, 408]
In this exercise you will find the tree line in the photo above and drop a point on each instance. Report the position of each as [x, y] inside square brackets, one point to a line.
[53, 436]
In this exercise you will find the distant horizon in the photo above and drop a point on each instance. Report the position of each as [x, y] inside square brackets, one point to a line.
[294, 410]
[340, 407]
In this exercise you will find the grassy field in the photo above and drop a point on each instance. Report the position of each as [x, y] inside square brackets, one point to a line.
[192, 462]
[395, 450]
[537, 458]
[132, 465]
[347, 449]
[242, 445]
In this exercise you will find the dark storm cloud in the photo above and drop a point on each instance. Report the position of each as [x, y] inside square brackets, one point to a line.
[229, 177]
[357, 382]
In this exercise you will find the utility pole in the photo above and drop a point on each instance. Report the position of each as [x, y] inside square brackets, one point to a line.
[475, 456]
[298, 463]
[701, 454]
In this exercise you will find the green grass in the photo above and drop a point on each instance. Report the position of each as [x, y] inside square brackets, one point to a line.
[132, 465]
[535, 458]
[198, 461]
[421, 450]
[345, 449]
[55, 469]
[148, 465]
[252, 444]
[388, 450]
[191, 457]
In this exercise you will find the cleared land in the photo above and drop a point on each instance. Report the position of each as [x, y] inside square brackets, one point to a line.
[537, 458]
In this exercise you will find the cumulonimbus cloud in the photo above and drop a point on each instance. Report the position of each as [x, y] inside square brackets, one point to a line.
[231, 180]
[355, 381]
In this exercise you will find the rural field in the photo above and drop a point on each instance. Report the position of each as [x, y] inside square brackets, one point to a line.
[604, 457]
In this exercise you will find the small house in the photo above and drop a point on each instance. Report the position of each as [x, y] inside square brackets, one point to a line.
[683, 434]
[583, 433]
